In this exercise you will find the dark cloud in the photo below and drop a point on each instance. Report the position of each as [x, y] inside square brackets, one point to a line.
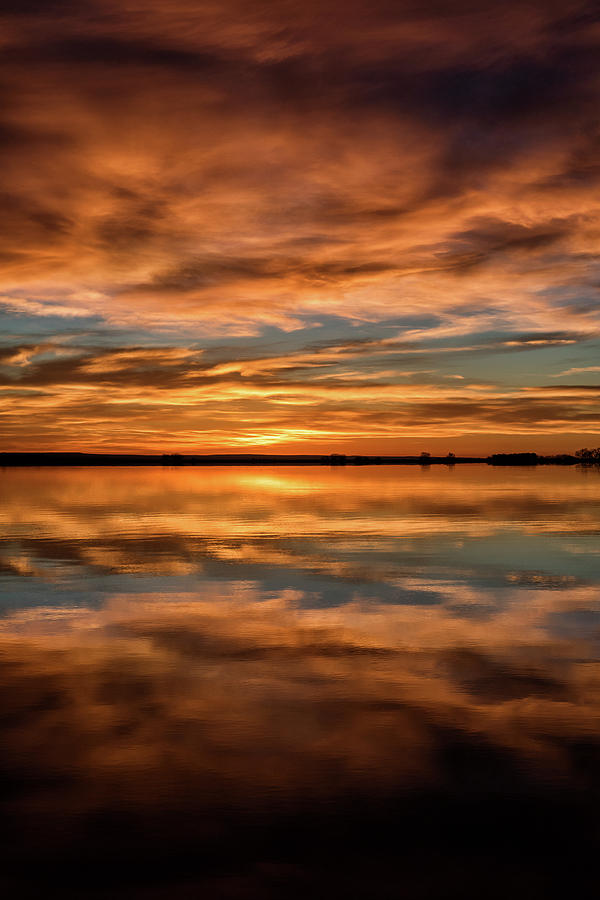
[497, 236]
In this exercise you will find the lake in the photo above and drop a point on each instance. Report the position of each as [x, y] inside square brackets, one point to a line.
[366, 682]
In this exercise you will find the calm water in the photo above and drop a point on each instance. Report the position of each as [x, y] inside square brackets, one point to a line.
[363, 682]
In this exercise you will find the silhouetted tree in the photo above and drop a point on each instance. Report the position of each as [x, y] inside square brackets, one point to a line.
[589, 457]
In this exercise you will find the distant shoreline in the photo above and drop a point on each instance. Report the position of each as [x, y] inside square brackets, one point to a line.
[13, 460]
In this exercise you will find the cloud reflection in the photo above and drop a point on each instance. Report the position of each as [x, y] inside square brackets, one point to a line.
[412, 535]
[250, 683]
[188, 722]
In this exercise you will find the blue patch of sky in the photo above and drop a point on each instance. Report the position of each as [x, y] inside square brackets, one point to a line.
[15, 328]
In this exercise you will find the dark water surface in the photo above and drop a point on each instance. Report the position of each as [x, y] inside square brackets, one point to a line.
[272, 683]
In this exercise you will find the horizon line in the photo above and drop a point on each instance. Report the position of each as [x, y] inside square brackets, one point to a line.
[80, 457]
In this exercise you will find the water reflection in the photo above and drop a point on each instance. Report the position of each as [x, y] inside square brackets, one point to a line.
[385, 684]
[388, 534]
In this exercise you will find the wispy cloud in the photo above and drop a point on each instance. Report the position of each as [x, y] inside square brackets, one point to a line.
[577, 370]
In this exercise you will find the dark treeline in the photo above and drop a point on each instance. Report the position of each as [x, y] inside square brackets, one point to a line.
[582, 457]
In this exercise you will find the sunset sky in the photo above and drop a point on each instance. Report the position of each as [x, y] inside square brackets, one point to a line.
[318, 226]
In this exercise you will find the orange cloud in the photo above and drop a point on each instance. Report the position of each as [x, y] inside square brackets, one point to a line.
[231, 170]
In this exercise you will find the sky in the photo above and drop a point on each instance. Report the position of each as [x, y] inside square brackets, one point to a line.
[333, 226]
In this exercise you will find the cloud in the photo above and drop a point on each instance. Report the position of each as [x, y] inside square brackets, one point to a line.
[578, 370]
[153, 398]
[25, 306]
[244, 170]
